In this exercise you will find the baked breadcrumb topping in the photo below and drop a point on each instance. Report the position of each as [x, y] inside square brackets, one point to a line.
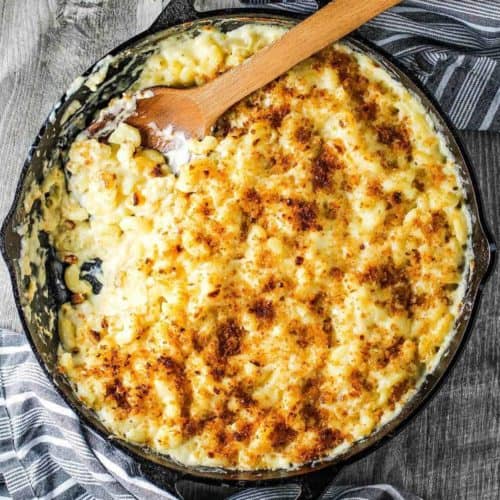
[284, 295]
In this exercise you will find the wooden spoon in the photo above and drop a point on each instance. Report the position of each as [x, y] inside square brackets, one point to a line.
[194, 111]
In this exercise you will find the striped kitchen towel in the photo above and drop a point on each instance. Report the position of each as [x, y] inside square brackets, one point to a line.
[45, 452]
[452, 46]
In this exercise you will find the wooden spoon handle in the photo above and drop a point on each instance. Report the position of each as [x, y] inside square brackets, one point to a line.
[330, 23]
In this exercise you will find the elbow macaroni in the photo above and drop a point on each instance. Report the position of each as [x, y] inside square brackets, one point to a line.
[284, 295]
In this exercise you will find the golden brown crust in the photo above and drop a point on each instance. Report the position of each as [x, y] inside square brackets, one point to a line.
[287, 291]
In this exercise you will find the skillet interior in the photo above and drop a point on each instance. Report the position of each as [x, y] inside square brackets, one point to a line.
[50, 147]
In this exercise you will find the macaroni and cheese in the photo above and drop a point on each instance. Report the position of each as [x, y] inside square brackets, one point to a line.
[284, 293]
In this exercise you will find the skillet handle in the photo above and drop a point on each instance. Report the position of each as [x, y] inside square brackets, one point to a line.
[176, 12]
[181, 11]
[313, 484]
[187, 487]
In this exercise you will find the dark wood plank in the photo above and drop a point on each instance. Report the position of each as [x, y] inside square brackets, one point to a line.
[452, 449]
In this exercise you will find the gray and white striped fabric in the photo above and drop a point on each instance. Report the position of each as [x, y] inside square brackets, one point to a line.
[453, 46]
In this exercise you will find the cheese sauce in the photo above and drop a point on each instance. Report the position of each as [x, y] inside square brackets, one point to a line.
[283, 292]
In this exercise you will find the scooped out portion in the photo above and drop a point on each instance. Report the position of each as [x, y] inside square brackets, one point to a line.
[282, 291]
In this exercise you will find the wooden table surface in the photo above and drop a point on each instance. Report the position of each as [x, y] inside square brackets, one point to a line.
[452, 449]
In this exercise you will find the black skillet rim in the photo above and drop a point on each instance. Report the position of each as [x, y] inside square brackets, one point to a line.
[182, 472]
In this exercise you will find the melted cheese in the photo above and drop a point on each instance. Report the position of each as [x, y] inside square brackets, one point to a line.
[283, 295]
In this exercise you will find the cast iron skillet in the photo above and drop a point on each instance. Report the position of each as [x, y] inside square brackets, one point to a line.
[51, 144]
